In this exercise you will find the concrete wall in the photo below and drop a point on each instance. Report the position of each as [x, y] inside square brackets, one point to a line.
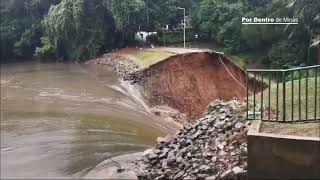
[273, 156]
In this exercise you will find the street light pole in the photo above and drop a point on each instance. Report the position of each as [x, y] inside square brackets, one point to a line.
[184, 26]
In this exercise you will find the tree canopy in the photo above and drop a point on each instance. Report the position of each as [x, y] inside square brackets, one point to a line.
[82, 29]
[77, 30]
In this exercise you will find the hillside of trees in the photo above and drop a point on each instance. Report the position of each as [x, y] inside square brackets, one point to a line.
[81, 29]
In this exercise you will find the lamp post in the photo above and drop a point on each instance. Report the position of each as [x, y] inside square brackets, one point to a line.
[184, 26]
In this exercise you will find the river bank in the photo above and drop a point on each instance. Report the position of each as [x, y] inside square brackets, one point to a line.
[122, 65]
[131, 72]
[186, 82]
[210, 145]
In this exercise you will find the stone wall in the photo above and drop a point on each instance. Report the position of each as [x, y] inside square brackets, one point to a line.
[273, 156]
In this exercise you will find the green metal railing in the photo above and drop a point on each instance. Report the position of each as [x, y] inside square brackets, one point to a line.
[288, 95]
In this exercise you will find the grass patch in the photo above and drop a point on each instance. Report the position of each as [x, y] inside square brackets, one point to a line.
[241, 59]
[238, 61]
[307, 108]
[251, 59]
[148, 58]
[201, 45]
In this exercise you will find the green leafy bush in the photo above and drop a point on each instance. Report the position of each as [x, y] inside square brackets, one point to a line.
[77, 30]
[282, 55]
[47, 49]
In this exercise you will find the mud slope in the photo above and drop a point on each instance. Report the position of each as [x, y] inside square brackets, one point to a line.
[189, 82]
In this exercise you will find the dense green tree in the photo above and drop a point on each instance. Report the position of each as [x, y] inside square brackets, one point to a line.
[10, 26]
[80, 29]
[222, 21]
[166, 12]
[20, 28]
[295, 41]
[307, 32]
[77, 29]
[128, 16]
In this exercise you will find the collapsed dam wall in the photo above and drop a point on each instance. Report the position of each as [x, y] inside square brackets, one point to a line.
[189, 82]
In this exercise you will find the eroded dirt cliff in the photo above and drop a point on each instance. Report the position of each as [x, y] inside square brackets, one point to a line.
[189, 82]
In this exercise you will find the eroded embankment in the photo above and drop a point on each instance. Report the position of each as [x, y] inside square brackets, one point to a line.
[189, 82]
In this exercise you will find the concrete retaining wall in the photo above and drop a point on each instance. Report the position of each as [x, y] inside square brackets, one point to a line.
[273, 156]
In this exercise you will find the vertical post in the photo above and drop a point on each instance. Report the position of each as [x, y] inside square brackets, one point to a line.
[292, 96]
[164, 37]
[307, 78]
[299, 95]
[318, 55]
[269, 102]
[284, 95]
[247, 94]
[254, 96]
[184, 29]
[184, 26]
[277, 102]
[315, 92]
[261, 110]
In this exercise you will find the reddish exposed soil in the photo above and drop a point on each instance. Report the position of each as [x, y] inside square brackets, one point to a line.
[189, 82]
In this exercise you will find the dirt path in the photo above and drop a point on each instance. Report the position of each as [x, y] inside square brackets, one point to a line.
[131, 53]
[176, 50]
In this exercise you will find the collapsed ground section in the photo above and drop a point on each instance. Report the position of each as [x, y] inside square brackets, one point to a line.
[189, 82]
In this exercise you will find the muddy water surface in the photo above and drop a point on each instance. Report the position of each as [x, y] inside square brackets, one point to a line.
[61, 120]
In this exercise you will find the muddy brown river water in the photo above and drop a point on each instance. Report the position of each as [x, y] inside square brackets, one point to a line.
[61, 120]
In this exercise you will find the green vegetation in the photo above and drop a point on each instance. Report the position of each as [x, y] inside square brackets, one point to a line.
[148, 58]
[201, 45]
[304, 91]
[82, 29]
[20, 28]
[252, 59]
[76, 30]
[285, 46]
[173, 37]
[127, 15]
[240, 61]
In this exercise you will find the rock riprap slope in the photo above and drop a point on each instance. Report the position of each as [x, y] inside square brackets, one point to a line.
[214, 147]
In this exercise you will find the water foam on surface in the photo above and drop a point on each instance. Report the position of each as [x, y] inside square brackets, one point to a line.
[133, 92]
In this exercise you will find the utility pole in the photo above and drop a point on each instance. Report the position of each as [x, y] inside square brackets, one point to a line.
[164, 37]
[164, 29]
[319, 55]
[184, 26]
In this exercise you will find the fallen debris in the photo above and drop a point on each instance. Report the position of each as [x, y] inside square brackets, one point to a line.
[214, 147]
[169, 114]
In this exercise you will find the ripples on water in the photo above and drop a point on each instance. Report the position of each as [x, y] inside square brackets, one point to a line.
[61, 120]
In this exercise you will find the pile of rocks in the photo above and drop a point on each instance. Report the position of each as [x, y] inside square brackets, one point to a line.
[124, 67]
[214, 147]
